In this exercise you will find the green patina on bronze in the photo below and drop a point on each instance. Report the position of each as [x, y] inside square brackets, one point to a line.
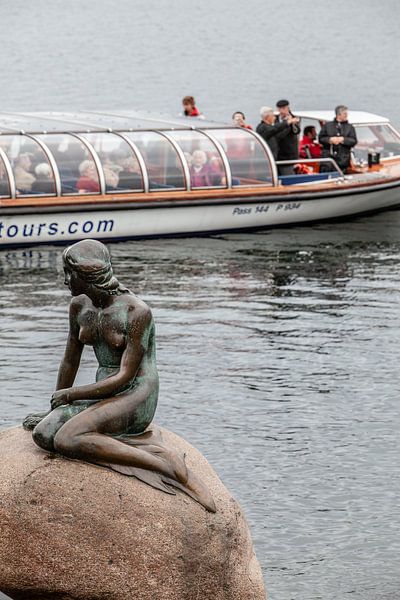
[107, 422]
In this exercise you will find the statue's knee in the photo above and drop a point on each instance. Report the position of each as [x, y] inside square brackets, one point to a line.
[42, 437]
[65, 443]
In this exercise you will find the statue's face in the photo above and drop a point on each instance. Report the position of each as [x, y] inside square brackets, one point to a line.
[74, 282]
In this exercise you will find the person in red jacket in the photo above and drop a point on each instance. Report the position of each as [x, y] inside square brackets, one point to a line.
[189, 107]
[239, 120]
[309, 147]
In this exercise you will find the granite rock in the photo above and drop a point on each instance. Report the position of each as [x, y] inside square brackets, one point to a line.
[74, 531]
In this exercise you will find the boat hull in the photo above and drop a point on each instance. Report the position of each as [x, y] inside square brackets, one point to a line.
[55, 224]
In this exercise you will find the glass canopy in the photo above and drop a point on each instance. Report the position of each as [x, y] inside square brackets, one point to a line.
[52, 163]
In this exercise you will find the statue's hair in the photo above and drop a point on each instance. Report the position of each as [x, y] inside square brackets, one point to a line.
[90, 259]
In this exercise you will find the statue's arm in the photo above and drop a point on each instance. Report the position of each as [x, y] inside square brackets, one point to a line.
[72, 355]
[138, 327]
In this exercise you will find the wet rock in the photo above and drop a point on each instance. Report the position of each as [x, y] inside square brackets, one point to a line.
[73, 531]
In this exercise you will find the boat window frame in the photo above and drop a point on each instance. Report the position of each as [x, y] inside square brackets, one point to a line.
[264, 147]
[380, 124]
[10, 175]
[177, 149]
[270, 156]
[182, 158]
[97, 162]
[140, 159]
[224, 158]
[219, 150]
[53, 165]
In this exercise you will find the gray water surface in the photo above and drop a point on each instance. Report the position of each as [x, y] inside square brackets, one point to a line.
[278, 357]
[278, 351]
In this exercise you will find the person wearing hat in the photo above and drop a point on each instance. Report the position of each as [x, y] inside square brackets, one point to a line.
[270, 130]
[288, 144]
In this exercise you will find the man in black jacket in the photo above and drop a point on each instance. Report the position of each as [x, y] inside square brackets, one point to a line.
[288, 144]
[271, 131]
[337, 138]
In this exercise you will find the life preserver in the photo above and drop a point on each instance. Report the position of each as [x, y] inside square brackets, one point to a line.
[301, 169]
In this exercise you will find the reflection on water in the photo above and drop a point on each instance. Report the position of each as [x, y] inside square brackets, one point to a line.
[278, 356]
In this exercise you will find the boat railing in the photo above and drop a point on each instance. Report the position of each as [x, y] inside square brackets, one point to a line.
[313, 161]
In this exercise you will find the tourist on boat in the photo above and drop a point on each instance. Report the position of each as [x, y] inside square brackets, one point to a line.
[23, 177]
[270, 130]
[189, 107]
[89, 179]
[44, 183]
[130, 178]
[309, 147]
[338, 138]
[239, 120]
[200, 170]
[288, 144]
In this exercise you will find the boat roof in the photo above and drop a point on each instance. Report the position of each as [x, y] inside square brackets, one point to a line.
[95, 121]
[357, 117]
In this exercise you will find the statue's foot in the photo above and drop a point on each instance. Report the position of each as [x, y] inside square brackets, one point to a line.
[30, 421]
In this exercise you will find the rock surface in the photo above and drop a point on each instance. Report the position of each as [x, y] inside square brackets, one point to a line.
[73, 531]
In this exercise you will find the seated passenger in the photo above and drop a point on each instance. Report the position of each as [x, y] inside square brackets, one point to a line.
[271, 130]
[44, 183]
[309, 147]
[23, 178]
[130, 177]
[89, 179]
[239, 120]
[200, 171]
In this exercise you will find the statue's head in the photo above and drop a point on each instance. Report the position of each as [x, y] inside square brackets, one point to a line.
[88, 264]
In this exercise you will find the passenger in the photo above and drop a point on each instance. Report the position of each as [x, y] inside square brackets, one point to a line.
[89, 179]
[337, 138]
[130, 178]
[270, 130]
[189, 107]
[44, 183]
[288, 144]
[309, 147]
[239, 120]
[23, 178]
[200, 171]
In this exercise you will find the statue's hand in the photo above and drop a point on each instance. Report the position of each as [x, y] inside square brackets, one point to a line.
[59, 398]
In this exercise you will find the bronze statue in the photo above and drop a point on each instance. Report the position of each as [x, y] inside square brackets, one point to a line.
[107, 422]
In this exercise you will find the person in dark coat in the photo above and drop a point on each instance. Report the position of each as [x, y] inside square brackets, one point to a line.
[337, 138]
[288, 145]
[270, 130]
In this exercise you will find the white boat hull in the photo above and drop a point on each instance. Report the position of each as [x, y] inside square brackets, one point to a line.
[133, 221]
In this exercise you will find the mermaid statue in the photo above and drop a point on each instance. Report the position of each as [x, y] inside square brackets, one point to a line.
[108, 422]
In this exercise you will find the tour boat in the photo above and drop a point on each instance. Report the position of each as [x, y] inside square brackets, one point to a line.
[129, 174]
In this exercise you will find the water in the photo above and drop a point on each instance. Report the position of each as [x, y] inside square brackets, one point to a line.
[278, 351]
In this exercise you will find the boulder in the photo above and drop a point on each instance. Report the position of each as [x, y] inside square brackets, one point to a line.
[74, 531]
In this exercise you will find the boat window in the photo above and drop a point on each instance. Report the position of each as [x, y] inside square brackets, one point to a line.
[162, 161]
[247, 158]
[121, 168]
[204, 160]
[75, 164]
[4, 183]
[32, 171]
[379, 138]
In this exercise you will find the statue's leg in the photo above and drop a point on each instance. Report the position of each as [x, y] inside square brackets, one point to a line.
[44, 432]
[87, 436]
